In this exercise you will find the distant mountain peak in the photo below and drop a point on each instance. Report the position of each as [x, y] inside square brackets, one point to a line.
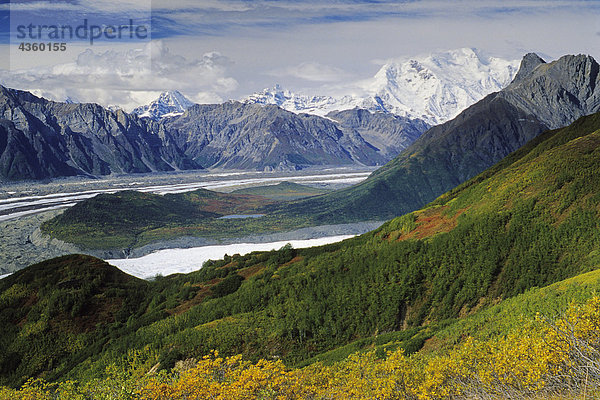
[168, 104]
[295, 102]
[433, 88]
[114, 108]
[438, 86]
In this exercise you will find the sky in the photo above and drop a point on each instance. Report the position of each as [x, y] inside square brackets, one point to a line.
[215, 50]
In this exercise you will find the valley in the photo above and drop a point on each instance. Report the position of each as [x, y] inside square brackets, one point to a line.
[19, 199]
[474, 258]
[442, 158]
[25, 206]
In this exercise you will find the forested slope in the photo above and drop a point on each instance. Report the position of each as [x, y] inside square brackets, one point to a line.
[530, 221]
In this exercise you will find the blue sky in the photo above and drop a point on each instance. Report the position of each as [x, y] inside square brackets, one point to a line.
[213, 50]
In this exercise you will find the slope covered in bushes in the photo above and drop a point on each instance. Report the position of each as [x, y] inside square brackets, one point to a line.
[530, 221]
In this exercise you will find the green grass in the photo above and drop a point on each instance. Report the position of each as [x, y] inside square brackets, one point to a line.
[282, 191]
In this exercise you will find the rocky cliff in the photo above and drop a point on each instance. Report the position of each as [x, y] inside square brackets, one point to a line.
[44, 139]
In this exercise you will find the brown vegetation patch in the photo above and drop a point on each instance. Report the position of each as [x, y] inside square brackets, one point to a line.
[293, 260]
[432, 221]
[100, 310]
[212, 282]
[202, 294]
[251, 271]
[30, 300]
[432, 344]
[229, 265]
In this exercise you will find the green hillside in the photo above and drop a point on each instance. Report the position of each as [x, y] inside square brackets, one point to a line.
[529, 221]
[57, 313]
[282, 191]
[130, 219]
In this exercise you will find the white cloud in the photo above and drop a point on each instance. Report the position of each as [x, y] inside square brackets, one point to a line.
[217, 5]
[128, 77]
[312, 71]
[206, 98]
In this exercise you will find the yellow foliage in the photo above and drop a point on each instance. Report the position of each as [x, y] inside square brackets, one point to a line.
[542, 359]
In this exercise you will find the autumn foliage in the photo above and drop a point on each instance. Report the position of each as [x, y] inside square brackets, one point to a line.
[541, 359]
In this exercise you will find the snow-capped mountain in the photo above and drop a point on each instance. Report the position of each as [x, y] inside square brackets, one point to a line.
[433, 88]
[438, 87]
[299, 103]
[168, 104]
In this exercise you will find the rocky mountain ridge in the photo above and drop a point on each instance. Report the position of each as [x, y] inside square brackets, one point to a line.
[247, 136]
[42, 139]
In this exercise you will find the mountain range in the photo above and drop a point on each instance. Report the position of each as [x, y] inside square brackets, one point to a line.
[433, 88]
[247, 136]
[42, 139]
[420, 283]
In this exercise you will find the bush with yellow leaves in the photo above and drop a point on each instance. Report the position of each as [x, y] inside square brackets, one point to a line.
[542, 359]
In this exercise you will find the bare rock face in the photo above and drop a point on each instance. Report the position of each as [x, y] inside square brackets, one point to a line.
[389, 133]
[42, 139]
[557, 93]
[253, 136]
[529, 62]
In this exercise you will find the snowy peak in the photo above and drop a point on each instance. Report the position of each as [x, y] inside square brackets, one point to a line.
[434, 88]
[168, 104]
[275, 95]
[437, 87]
[297, 103]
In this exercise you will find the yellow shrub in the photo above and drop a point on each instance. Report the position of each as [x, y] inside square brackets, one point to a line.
[542, 359]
